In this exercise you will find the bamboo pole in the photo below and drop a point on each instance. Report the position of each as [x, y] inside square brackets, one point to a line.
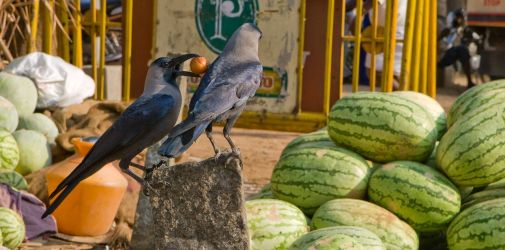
[34, 24]
[47, 36]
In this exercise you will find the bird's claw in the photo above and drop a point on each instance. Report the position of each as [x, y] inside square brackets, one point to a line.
[235, 151]
[148, 189]
[235, 154]
[217, 154]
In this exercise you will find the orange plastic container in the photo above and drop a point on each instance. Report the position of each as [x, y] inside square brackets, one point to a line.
[90, 208]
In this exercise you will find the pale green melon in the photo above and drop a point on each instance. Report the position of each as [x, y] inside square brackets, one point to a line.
[34, 151]
[40, 123]
[20, 91]
[8, 115]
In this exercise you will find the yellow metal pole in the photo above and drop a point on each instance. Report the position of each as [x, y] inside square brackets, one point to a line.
[341, 44]
[301, 45]
[328, 56]
[373, 56]
[77, 36]
[101, 67]
[47, 37]
[357, 46]
[390, 45]
[63, 42]
[34, 24]
[93, 46]
[408, 45]
[415, 69]
[424, 48]
[432, 54]
[127, 49]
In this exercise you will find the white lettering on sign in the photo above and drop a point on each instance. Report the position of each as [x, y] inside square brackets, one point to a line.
[226, 8]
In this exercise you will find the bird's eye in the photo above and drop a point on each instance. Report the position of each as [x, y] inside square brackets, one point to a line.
[164, 64]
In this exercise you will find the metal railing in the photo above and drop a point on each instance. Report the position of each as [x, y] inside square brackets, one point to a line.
[418, 62]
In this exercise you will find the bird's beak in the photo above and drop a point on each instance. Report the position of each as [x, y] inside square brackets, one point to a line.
[187, 73]
[180, 59]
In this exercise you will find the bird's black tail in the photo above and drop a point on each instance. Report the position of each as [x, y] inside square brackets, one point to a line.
[59, 199]
[175, 146]
[81, 172]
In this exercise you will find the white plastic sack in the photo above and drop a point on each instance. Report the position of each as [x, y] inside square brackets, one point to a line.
[59, 84]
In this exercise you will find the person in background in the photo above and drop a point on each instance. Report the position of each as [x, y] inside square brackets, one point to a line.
[400, 30]
[457, 37]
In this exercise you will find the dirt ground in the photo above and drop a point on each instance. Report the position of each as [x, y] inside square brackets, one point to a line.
[261, 149]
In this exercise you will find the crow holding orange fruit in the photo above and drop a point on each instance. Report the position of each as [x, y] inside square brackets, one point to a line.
[222, 94]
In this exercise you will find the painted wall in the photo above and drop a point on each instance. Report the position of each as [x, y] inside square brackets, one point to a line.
[202, 26]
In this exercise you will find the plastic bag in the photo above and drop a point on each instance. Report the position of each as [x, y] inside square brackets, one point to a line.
[59, 84]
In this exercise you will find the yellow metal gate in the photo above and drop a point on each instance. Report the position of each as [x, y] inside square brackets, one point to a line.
[418, 65]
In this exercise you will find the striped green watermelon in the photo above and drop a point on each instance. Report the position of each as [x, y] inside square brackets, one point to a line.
[486, 94]
[318, 138]
[311, 241]
[382, 127]
[274, 224]
[308, 177]
[481, 226]
[495, 185]
[416, 193]
[394, 233]
[13, 179]
[9, 152]
[12, 228]
[483, 195]
[432, 107]
[472, 152]
[364, 237]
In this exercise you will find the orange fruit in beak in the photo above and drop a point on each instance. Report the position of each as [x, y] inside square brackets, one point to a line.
[198, 65]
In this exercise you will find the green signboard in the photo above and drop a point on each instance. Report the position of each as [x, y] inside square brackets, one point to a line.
[216, 20]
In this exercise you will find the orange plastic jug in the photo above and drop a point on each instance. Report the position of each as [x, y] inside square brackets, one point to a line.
[90, 208]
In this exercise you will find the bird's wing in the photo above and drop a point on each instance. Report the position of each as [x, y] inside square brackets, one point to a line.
[137, 120]
[252, 82]
[233, 86]
[208, 79]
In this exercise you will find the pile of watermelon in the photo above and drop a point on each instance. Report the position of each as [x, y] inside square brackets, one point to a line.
[391, 171]
[12, 228]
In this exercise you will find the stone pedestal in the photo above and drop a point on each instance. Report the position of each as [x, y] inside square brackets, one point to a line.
[199, 205]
